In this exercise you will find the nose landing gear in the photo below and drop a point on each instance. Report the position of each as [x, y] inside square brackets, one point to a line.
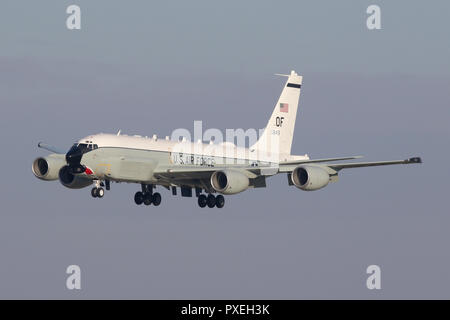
[98, 191]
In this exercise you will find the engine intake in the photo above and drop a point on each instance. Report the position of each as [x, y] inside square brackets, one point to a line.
[229, 181]
[310, 178]
[72, 181]
[48, 168]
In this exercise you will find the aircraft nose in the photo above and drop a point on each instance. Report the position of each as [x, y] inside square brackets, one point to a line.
[73, 156]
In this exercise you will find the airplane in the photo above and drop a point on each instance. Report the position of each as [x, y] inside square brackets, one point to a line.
[212, 170]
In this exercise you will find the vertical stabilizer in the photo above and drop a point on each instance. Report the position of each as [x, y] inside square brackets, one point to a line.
[279, 132]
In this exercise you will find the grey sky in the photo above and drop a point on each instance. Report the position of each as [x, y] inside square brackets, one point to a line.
[234, 36]
[151, 67]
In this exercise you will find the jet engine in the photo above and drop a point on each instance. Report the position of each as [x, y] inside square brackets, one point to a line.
[310, 178]
[48, 168]
[69, 180]
[229, 181]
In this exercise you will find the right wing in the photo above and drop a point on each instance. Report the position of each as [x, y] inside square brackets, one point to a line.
[50, 148]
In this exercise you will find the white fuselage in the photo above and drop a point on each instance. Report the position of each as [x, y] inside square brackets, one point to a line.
[186, 152]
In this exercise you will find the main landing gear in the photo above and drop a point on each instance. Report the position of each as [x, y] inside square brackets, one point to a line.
[211, 201]
[147, 197]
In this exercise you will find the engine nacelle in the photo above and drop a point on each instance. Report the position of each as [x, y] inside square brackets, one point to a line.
[72, 181]
[229, 181]
[48, 168]
[310, 178]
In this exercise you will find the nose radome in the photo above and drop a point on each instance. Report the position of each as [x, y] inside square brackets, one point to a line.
[73, 156]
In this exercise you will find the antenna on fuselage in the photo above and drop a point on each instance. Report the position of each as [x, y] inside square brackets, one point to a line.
[118, 132]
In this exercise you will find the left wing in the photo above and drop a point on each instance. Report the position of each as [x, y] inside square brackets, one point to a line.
[195, 172]
[339, 166]
[191, 171]
[194, 176]
[190, 175]
[317, 160]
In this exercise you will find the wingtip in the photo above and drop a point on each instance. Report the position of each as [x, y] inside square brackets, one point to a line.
[414, 160]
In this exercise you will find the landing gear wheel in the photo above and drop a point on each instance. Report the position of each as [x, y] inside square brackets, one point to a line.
[100, 192]
[156, 199]
[202, 201]
[220, 201]
[211, 201]
[148, 199]
[94, 192]
[139, 198]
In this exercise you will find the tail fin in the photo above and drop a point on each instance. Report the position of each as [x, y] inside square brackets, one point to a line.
[279, 132]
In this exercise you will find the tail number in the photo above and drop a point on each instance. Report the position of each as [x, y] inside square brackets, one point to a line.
[279, 121]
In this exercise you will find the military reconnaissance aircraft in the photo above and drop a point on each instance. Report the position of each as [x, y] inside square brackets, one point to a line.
[206, 168]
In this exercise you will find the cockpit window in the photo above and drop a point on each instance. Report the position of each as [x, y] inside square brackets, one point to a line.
[83, 147]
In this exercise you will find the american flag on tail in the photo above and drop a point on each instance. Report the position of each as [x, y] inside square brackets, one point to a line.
[284, 107]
